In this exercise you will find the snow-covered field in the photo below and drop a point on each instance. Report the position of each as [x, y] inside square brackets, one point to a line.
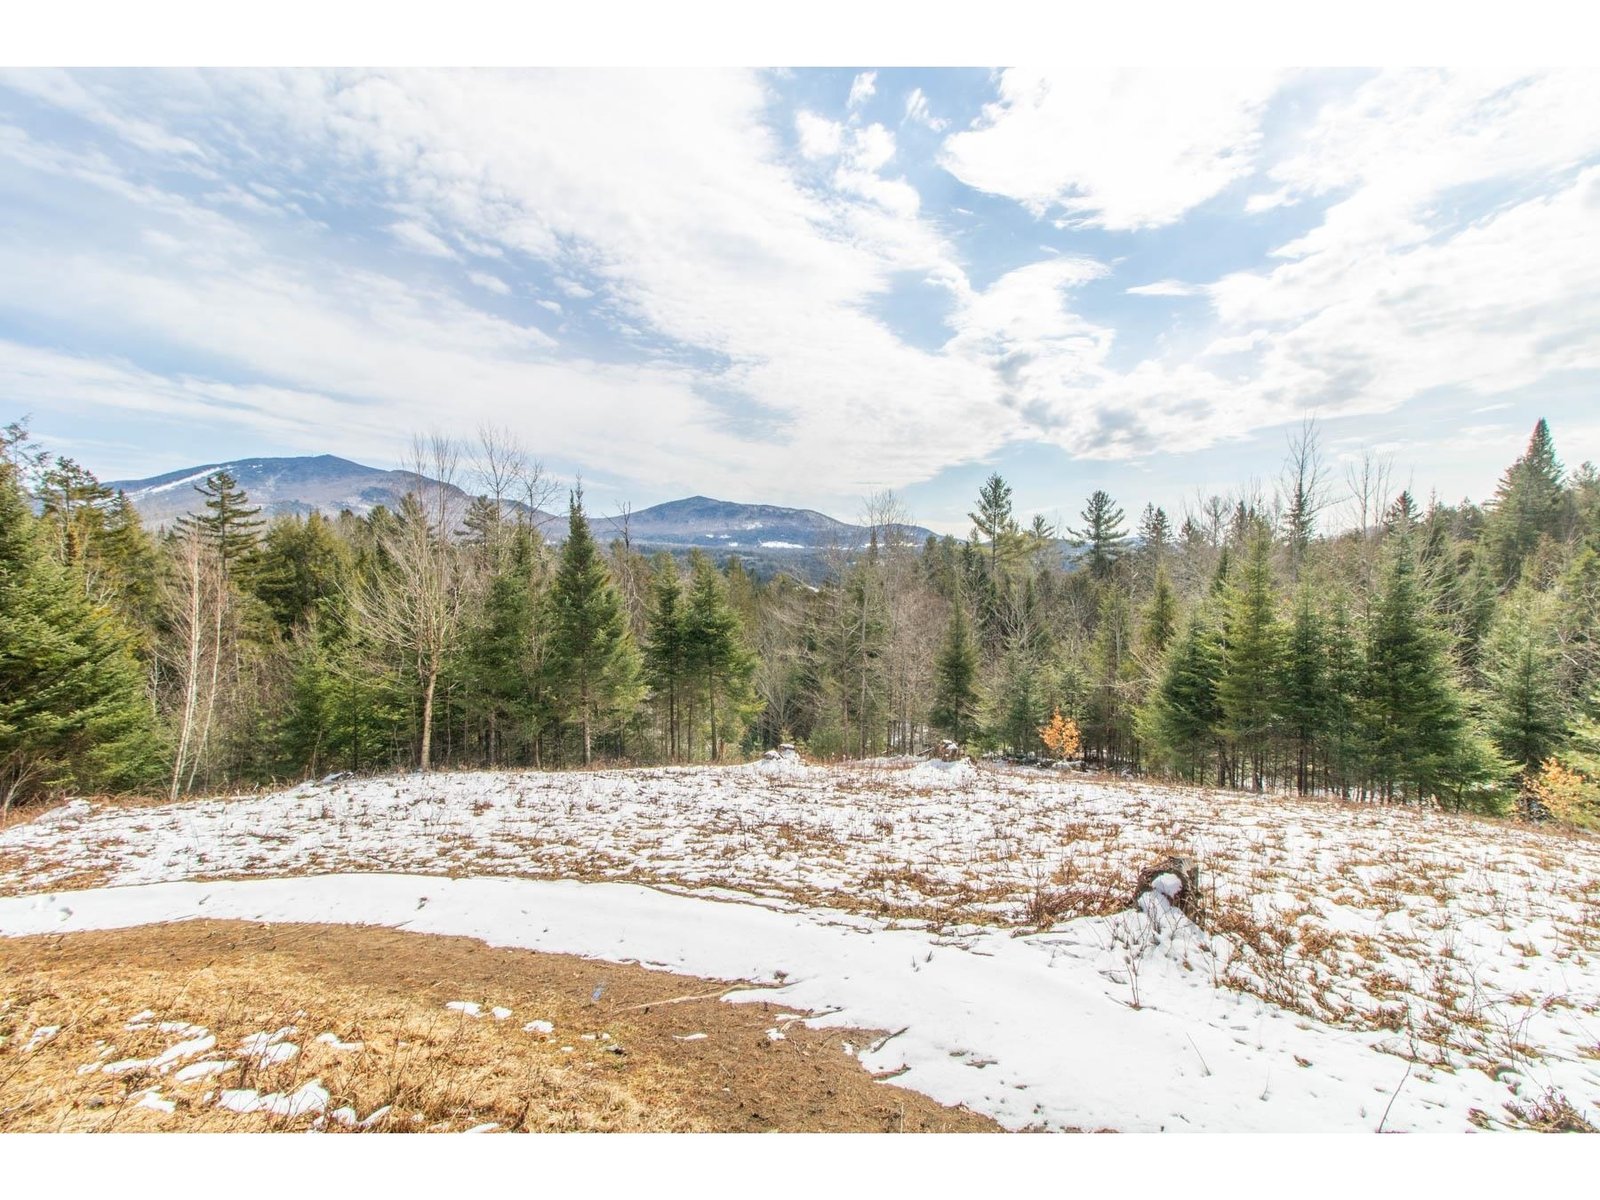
[1359, 966]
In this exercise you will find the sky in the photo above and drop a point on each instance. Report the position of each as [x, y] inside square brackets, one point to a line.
[804, 286]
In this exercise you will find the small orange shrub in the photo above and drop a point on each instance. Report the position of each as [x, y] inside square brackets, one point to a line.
[1061, 736]
[1569, 796]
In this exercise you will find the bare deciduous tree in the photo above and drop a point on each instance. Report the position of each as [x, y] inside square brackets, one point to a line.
[414, 604]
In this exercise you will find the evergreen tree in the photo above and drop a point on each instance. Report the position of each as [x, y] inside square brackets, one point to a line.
[665, 658]
[229, 525]
[1102, 534]
[1528, 504]
[1341, 706]
[1155, 534]
[72, 706]
[955, 701]
[1160, 616]
[1019, 707]
[1108, 729]
[1418, 738]
[1520, 677]
[1577, 627]
[346, 708]
[713, 648]
[1181, 719]
[499, 654]
[302, 565]
[1253, 660]
[593, 663]
[1305, 687]
[993, 521]
[72, 505]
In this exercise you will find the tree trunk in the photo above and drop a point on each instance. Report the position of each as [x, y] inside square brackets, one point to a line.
[711, 693]
[427, 717]
[191, 678]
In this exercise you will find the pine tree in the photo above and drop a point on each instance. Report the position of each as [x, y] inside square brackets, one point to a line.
[72, 505]
[592, 659]
[994, 521]
[955, 702]
[1018, 705]
[72, 706]
[1253, 661]
[229, 525]
[1102, 534]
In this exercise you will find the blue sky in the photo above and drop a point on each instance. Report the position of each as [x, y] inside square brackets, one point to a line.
[800, 287]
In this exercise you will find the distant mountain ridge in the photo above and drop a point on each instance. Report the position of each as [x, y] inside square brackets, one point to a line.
[328, 483]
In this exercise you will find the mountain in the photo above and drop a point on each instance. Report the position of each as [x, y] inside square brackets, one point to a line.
[277, 485]
[764, 534]
[725, 525]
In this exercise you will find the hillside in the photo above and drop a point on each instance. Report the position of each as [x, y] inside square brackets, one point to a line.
[758, 533]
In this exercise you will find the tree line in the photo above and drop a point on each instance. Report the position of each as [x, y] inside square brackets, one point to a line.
[1420, 652]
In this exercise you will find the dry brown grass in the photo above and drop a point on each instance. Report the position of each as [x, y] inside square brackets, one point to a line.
[434, 1069]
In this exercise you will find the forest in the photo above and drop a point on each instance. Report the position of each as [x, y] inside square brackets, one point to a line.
[1324, 635]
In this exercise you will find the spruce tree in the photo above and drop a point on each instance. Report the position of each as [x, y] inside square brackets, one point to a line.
[955, 699]
[1160, 616]
[73, 712]
[1181, 718]
[1249, 690]
[498, 655]
[665, 661]
[1341, 706]
[301, 566]
[1526, 715]
[1305, 687]
[593, 663]
[1418, 738]
[73, 505]
[713, 648]
[1529, 503]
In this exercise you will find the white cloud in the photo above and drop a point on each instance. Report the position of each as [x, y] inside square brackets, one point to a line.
[420, 238]
[819, 137]
[1166, 287]
[671, 193]
[862, 88]
[1125, 149]
[750, 278]
[491, 283]
[917, 110]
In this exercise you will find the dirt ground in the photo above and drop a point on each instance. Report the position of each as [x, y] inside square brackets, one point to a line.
[624, 1052]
